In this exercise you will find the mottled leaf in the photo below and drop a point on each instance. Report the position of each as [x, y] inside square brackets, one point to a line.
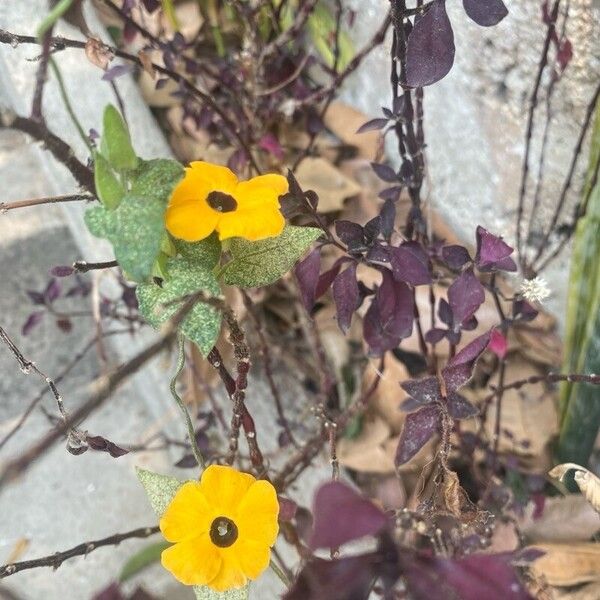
[430, 48]
[160, 489]
[203, 323]
[423, 390]
[459, 407]
[205, 593]
[352, 235]
[254, 264]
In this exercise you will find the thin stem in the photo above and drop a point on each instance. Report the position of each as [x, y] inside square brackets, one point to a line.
[186, 415]
[83, 267]
[280, 574]
[6, 206]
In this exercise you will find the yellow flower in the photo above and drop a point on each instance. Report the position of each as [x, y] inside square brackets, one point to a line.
[210, 198]
[222, 527]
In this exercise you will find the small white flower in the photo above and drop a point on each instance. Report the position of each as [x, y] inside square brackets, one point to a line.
[535, 290]
[288, 107]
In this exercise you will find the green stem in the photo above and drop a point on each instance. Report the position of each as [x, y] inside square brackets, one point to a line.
[68, 105]
[54, 15]
[188, 421]
[280, 574]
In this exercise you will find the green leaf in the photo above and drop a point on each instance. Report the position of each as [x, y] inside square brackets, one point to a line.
[136, 227]
[116, 142]
[205, 593]
[160, 489]
[205, 252]
[142, 559]
[322, 26]
[255, 264]
[203, 323]
[108, 187]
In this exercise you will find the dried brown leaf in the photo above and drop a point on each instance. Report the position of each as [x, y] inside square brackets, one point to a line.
[586, 481]
[568, 564]
[97, 53]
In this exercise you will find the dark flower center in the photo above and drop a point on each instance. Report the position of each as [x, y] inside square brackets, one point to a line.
[223, 532]
[221, 201]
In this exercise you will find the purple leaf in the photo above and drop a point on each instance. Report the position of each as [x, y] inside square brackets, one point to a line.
[307, 273]
[351, 234]
[342, 515]
[564, 54]
[238, 161]
[465, 296]
[52, 291]
[491, 249]
[384, 172]
[418, 429]
[97, 442]
[36, 297]
[346, 296]
[392, 193]
[348, 578]
[117, 71]
[326, 278]
[287, 508]
[524, 311]
[489, 576]
[389, 319]
[430, 48]
[460, 368]
[65, 325]
[62, 271]
[372, 125]
[410, 264]
[388, 219]
[459, 407]
[32, 321]
[424, 390]
[151, 5]
[485, 12]
[435, 335]
[455, 256]
[378, 253]
[445, 313]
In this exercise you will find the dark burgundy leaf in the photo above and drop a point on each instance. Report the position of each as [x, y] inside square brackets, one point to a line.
[352, 235]
[407, 171]
[398, 107]
[470, 324]
[378, 253]
[307, 274]
[349, 578]
[498, 344]
[36, 297]
[372, 125]
[410, 405]
[372, 229]
[387, 112]
[111, 592]
[97, 442]
[287, 508]
[384, 172]
[430, 48]
[424, 390]
[490, 249]
[346, 296]
[326, 278]
[342, 515]
[459, 407]
[388, 219]
[475, 577]
[32, 320]
[410, 264]
[187, 461]
[485, 12]
[151, 5]
[389, 319]
[564, 54]
[445, 313]
[418, 429]
[62, 271]
[435, 335]
[117, 71]
[524, 311]
[52, 291]
[238, 160]
[455, 256]
[465, 296]
[506, 264]
[64, 325]
[392, 193]
[460, 368]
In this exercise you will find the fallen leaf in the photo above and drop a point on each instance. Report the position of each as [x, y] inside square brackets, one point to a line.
[568, 564]
[332, 186]
[586, 481]
[97, 53]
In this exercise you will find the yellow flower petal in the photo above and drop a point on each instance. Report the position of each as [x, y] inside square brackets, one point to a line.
[224, 487]
[188, 516]
[216, 177]
[190, 219]
[230, 574]
[253, 556]
[257, 514]
[193, 562]
[276, 183]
